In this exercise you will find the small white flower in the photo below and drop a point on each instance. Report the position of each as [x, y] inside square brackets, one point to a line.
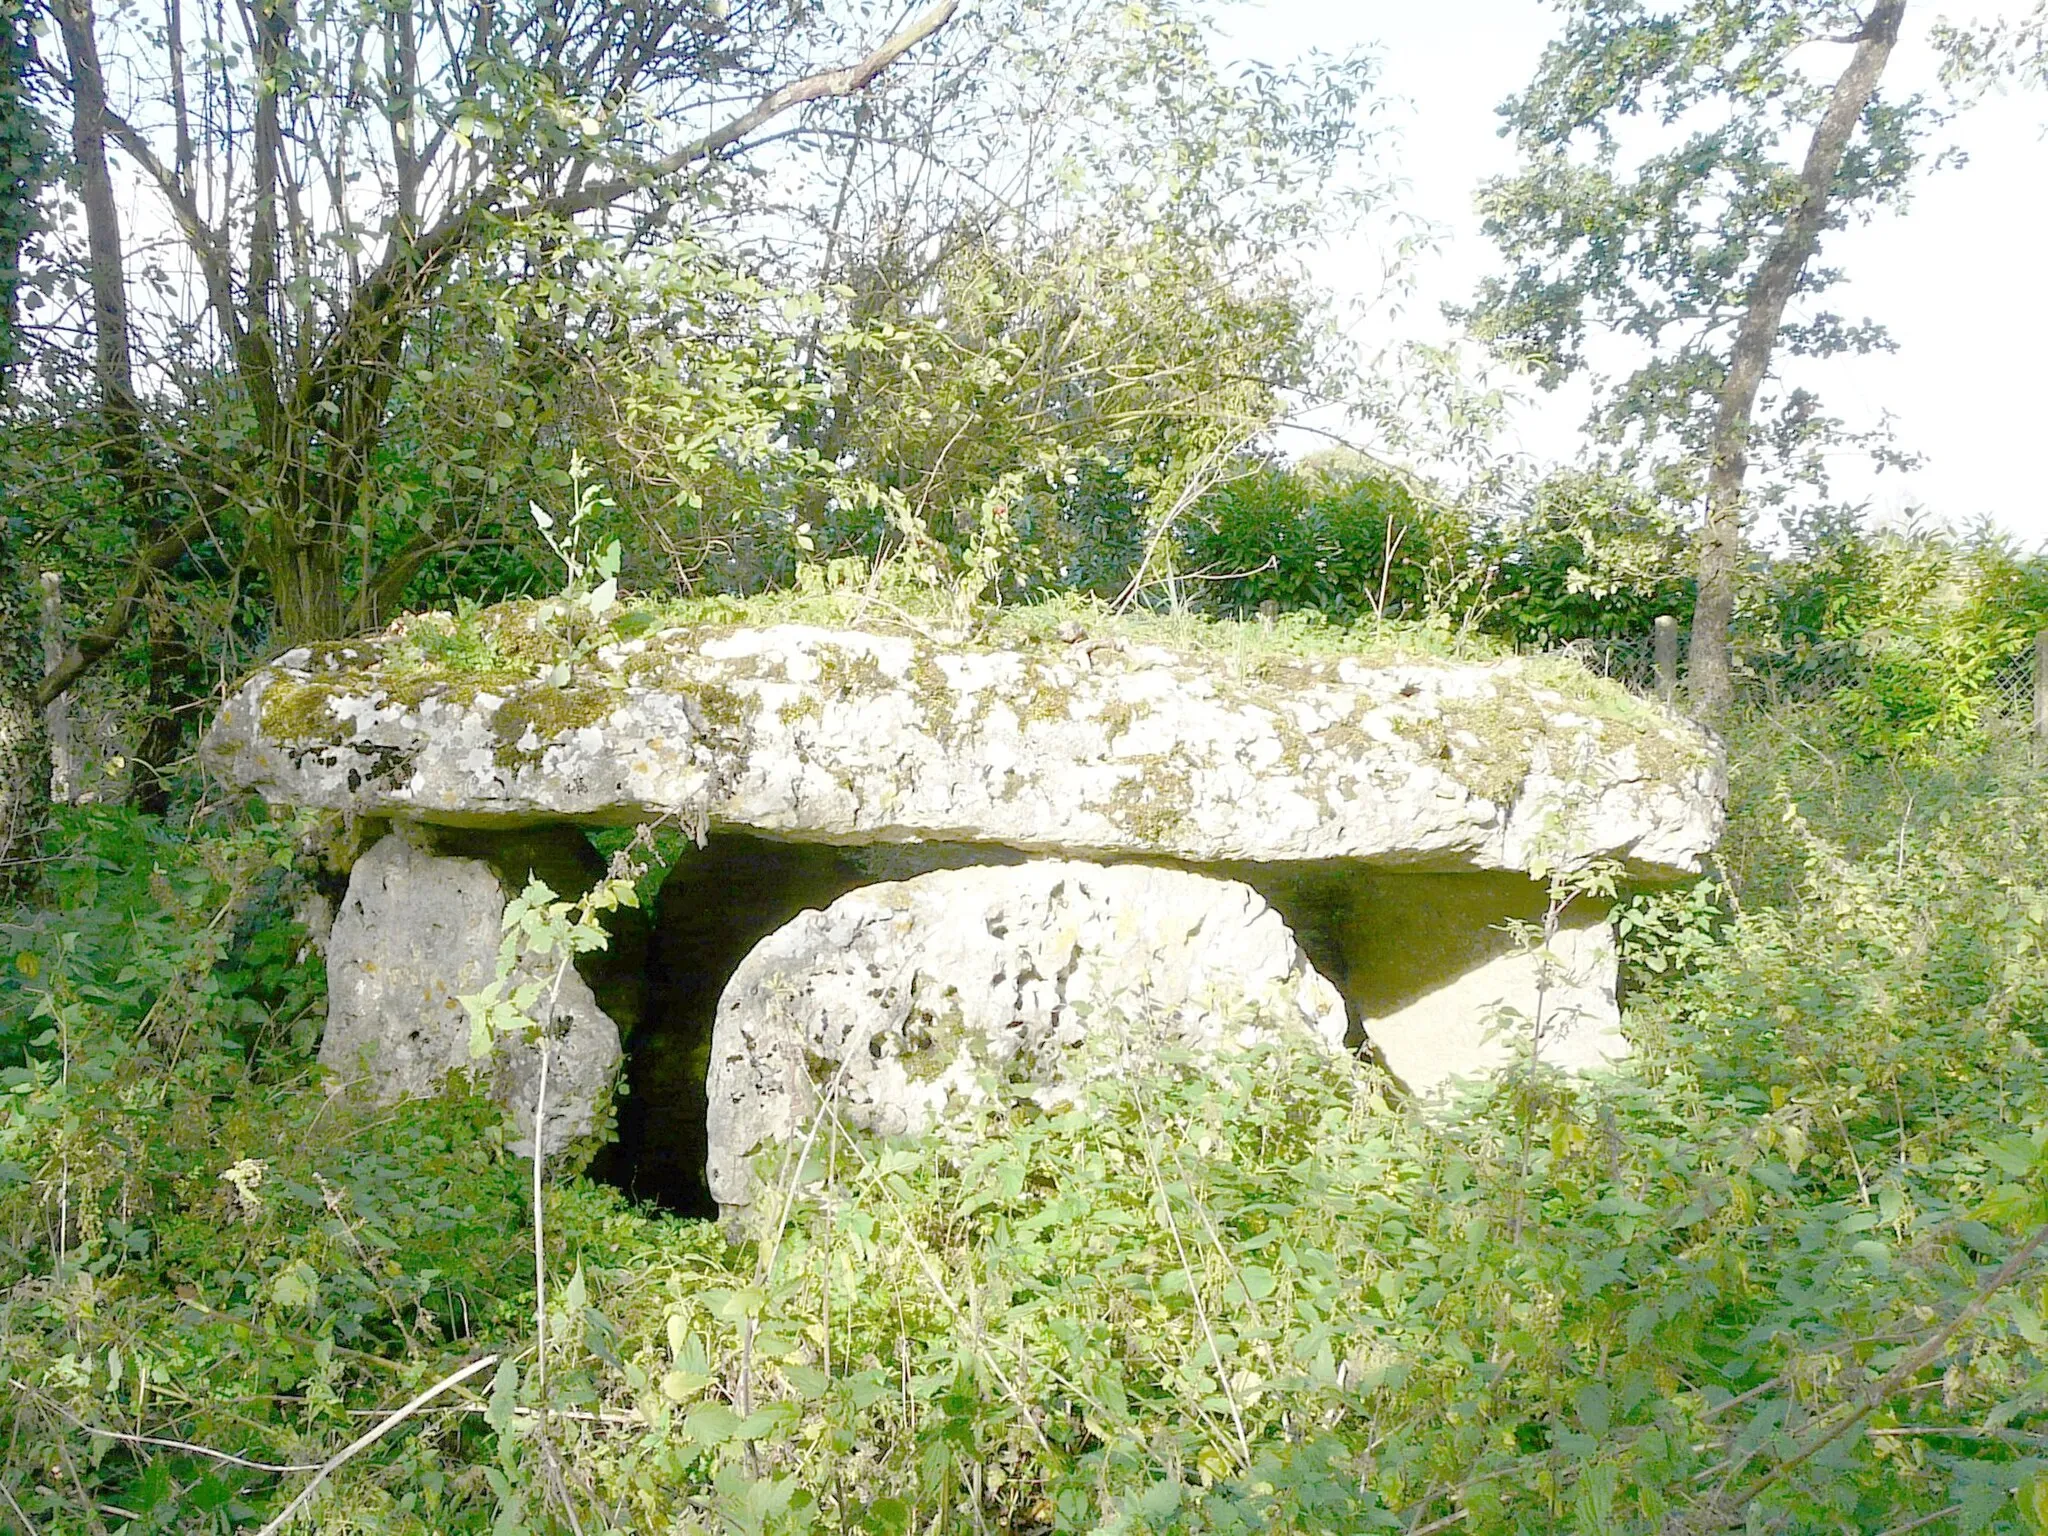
[247, 1177]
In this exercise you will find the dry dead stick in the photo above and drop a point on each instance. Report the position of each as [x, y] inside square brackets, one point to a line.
[364, 1441]
[28, 1526]
[187, 1446]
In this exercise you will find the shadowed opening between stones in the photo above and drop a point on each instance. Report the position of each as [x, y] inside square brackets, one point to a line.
[1382, 939]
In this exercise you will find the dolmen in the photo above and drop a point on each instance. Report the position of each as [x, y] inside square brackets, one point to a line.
[920, 866]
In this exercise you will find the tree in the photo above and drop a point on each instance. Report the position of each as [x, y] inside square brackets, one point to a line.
[335, 176]
[24, 747]
[2010, 49]
[1066, 277]
[1018, 382]
[1698, 251]
[1024, 280]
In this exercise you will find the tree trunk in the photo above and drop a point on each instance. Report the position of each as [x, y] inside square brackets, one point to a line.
[170, 698]
[305, 584]
[57, 713]
[22, 147]
[24, 748]
[1710, 663]
[124, 441]
[121, 417]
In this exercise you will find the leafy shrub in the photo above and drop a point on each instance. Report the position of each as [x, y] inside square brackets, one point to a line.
[1593, 555]
[194, 1240]
[1752, 1282]
[1343, 545]
[1914, 626]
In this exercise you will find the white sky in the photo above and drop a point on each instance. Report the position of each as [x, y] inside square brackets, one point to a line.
[1958, 277]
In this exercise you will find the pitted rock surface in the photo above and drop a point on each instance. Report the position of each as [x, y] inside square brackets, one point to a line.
[899, 1002]
[1106, 748]
[416, 933]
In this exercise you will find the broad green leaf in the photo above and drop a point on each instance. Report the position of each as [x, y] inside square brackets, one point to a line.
[504, 1399]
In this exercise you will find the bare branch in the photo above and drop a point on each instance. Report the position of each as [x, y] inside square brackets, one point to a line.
[93, 646]
[848, 81]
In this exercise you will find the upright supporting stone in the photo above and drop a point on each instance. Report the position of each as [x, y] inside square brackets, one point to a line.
[416, 933]
[1452, 976]
[1665, 649]
[899, 1003]
[2041, 686]
[57, 713]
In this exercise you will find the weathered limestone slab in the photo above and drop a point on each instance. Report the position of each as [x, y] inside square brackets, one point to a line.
[899, 1000]
[1090, 749]
[1460, 975]
[418, 931]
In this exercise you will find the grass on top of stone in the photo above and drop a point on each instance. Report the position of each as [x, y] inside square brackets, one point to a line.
[851, 594]
[511, 647]
[1270, 650]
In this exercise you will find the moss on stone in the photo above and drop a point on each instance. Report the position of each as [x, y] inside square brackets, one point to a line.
[843, 673]
[549, 713]
[933, 1037]
[1507, 728]
[1152, 805]
[935, 696]
[295, 712]
[1044, 698]
[720, 708]
[845, 670]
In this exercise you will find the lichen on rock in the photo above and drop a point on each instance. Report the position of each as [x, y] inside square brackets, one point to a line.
[1103, 746]
[901, 1007]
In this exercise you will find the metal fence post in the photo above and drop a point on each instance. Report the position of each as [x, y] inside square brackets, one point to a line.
[2041, 686]
[1664, 647]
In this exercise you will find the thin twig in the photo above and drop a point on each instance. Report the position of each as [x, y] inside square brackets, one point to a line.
[1718, 1409]
[364, 1441]
[1914, 1525]
[1438, 1525]
[166, 1443]
[1936, 1432]
[630, 1420]
[28, 1526]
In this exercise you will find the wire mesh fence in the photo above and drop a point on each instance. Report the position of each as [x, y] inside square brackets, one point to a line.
[2012, 686]
[1797, 676]
[1629, 661]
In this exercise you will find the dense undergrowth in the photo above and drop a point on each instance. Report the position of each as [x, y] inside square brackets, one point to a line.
[1761, 1280]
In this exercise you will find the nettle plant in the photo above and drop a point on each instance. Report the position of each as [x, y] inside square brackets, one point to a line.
[520, 1007]
[590, 595]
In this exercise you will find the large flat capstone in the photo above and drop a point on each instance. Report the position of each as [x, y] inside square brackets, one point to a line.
[1088, 749]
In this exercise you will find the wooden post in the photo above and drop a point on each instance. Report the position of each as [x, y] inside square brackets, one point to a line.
[2041, 686]
[57, 713]
[1664, 646]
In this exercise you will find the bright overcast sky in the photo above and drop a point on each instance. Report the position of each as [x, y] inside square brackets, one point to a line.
[1958, 277]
